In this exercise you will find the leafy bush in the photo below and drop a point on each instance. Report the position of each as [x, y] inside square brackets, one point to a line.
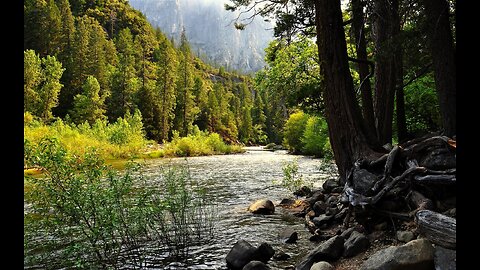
[293, 131]
[122, 139]
[315, 137]
[86, 215]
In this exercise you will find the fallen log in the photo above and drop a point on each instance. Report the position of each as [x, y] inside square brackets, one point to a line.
[438, 228]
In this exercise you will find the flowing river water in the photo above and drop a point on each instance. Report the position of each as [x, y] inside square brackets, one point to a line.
[236, 181]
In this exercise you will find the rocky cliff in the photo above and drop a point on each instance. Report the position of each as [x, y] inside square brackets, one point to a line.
[210, 31]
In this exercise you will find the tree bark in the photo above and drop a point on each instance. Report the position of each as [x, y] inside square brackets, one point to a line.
[443, 56]
[358, 24]
[345, 124]
[386, 28]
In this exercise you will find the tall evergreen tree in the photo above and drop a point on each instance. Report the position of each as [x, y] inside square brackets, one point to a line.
[185, 110]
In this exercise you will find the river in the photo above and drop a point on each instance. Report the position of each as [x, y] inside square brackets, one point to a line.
[236, 181]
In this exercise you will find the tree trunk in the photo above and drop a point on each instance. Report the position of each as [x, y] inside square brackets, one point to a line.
[385, 74]
[345, 124]
[443, 56]
[361, 48]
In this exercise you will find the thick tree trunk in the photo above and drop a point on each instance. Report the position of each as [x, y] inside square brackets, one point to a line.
[443, 56]
[363, 70]
[345, 124]
[385, 74]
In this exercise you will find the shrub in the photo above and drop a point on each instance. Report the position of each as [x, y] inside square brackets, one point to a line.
[293, 131]
[315, 136]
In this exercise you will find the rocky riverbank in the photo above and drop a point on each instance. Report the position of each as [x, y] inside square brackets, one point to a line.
[398, 212]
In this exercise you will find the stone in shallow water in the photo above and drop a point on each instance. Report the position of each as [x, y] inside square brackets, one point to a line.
[256, 265]
[322, 266]
[241, 253]
[264, 207]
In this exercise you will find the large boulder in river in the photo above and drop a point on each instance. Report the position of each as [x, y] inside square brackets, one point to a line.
[417, 254]
[243, 252]
[240, 254]
[264, 207]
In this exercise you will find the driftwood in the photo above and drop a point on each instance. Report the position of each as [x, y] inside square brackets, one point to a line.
[438, 228]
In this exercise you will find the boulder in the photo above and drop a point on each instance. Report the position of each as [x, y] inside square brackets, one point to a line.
[355, 244]
[321, 220]
[322, 266]
[417, 254]
[264, 252]
[256, 265]
[241, 253]
[363, 181]
[445, 259]
[317, 195]
[329, 250]
[329, 185]
[264, 207]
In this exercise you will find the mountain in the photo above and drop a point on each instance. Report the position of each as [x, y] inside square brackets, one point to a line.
[210, 31]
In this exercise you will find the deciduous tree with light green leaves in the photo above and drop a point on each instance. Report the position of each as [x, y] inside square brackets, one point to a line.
[41, 84]
[89, 105]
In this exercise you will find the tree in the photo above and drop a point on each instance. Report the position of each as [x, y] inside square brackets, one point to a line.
[88, 106]
[167, 63]
[51, 87]
[185, 110]
[41, 84]
[443, 55]
[32, 77]
[125, 83]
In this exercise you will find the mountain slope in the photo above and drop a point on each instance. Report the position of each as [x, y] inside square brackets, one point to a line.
[210, 31]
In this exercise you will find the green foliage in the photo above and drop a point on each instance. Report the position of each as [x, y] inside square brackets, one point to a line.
[421, 106]
[315, 137]
[122, 139]
[292, 179]
[88, 106]
[82, 201]
[293, 131]
[41, 84]
[106, 217]
[198, 144]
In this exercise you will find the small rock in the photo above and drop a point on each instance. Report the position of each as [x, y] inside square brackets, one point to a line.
[321, 266]
[417, 254]
[355, 244]
[303, 191]
[264, 252]
[256, 265]
[281, 256]
[329, 185]
[320, 208]
[317, 195]
[321, 220]
[264, 207]
[288, 236]
[405, 236]
[329, 250]
[332, 200]
[445, 259]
